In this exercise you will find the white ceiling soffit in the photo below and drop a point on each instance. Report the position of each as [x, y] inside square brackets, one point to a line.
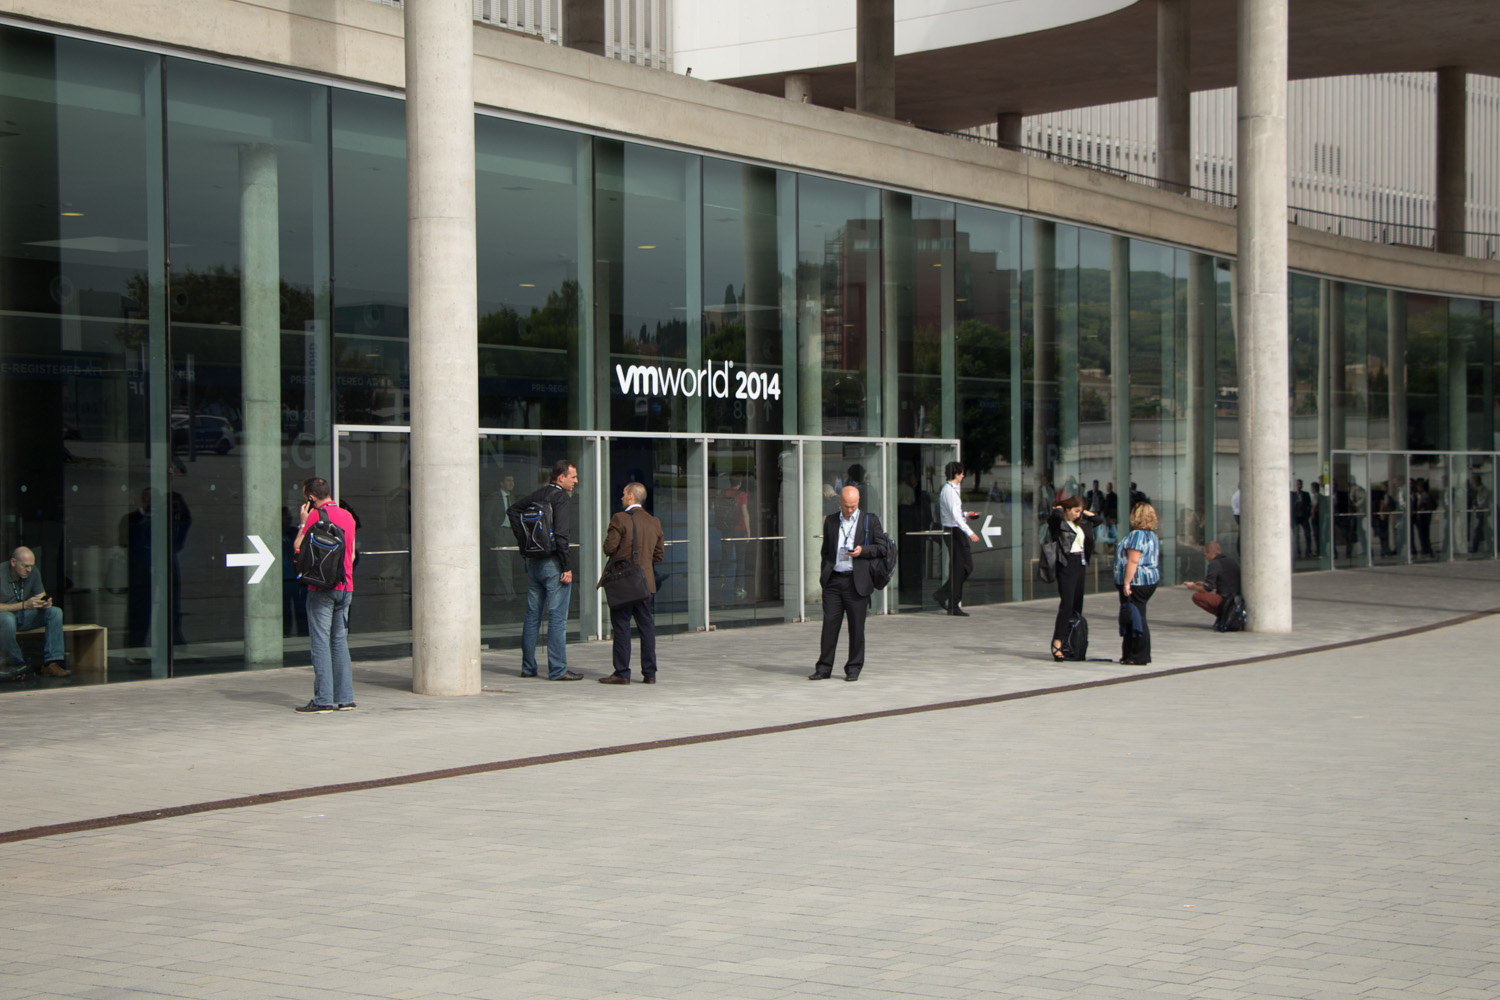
[728, 39]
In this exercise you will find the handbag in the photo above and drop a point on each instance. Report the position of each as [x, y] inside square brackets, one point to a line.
[623, 581]
[1046, 567]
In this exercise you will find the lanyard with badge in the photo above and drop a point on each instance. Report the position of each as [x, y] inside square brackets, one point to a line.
[846, 532]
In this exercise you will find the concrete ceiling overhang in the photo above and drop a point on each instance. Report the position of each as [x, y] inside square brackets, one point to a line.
[1113, 58]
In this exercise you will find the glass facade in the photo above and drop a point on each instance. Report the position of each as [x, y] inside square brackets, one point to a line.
[203, 301]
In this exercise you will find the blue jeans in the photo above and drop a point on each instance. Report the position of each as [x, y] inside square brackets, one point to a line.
[328, 626]
[544, 585]
[12, 622]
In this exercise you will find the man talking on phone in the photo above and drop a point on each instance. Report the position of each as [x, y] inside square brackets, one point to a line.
[29, 607]
[851, 539]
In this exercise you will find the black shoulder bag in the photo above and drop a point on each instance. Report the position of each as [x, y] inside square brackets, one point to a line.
[624, 581]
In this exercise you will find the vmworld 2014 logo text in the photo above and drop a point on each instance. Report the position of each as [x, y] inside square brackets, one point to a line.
[711, 381]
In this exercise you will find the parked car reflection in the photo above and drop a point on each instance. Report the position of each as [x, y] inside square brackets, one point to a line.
[210, 433]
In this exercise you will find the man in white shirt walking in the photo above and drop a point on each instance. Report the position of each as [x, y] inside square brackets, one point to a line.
[960, 561]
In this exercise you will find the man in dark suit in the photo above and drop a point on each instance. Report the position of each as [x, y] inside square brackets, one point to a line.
[851, 539]
[1302, 533]
[635, 535]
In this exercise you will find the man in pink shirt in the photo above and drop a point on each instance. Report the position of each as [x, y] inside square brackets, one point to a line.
[328, 610]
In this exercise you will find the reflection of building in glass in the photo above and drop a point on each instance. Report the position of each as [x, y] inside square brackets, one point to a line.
[1359, 152]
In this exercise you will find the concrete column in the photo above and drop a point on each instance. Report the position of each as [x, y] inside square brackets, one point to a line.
[875, 57]
[1044, 422]
[1119, 368]
[1336, 384]
[762, 279]
[1458, 393]
[155, 367]
[260, 380]
[811, 539]
[443, 289]
[1452, 158]
[1395, 326]
[809, 364]
[1200, 317]
[898, 241]
[1262, 294]
[583, 25]
[798, 88]
[1324, 378]
[1008, 128]
[1174, 138]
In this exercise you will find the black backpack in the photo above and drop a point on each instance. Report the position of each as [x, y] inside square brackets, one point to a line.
[320, 561]
[1233, 615]
[882, 569]
[531, 523]
[1075, 642]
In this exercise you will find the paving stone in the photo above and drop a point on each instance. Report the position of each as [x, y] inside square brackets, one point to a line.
[1317, 825]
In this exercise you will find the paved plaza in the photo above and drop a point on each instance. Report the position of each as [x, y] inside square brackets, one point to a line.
[1314, 819]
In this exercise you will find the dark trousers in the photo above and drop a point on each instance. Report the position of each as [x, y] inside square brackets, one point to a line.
[1137, 648]
[840, 599]
[960, 565]
[1302, 536]
[1207, 601]
[1422, 534]
[644, 613]
[1070, 595]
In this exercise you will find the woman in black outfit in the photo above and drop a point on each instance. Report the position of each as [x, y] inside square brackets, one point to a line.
[1072, 528]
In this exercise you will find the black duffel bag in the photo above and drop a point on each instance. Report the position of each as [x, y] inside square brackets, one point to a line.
[623, 581]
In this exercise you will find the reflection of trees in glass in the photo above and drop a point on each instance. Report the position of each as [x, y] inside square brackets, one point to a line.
[549, 333]
[205, 305]
[982, 357]
[211, 296]
[1093, 405]
[925, 389]
[553, 325]
[1303, 319]
[1426, 370]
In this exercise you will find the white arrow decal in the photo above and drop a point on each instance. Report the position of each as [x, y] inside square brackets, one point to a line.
[986, 531]
[261, 559]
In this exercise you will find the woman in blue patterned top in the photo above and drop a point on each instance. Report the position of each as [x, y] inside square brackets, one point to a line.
[1137, 572]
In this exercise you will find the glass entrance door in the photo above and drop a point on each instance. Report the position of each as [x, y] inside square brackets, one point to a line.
[748, 488]
[921, 545]
[661, 465]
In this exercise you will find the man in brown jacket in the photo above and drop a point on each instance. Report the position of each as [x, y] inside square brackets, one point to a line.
[635, 535]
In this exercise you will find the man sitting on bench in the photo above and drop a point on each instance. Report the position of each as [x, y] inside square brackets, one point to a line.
[29, 607]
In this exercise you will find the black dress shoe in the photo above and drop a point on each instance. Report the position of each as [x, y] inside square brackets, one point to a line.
[571, 675]
[815, 676]
[614, 679]
[960, 612]
[649, 679]
[852, 676]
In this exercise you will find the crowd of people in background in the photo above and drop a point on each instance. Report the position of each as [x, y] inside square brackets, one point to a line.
[1077, 523]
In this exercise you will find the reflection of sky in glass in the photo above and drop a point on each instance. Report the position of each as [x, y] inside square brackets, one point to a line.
[654, 240]
[526, 189]
[212, 113]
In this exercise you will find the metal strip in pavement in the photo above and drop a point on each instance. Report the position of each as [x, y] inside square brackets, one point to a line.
[266, 798]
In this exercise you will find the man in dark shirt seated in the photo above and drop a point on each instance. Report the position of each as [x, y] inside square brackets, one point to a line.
[1221, 583]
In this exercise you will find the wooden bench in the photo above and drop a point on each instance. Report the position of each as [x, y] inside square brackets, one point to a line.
[89, 647]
